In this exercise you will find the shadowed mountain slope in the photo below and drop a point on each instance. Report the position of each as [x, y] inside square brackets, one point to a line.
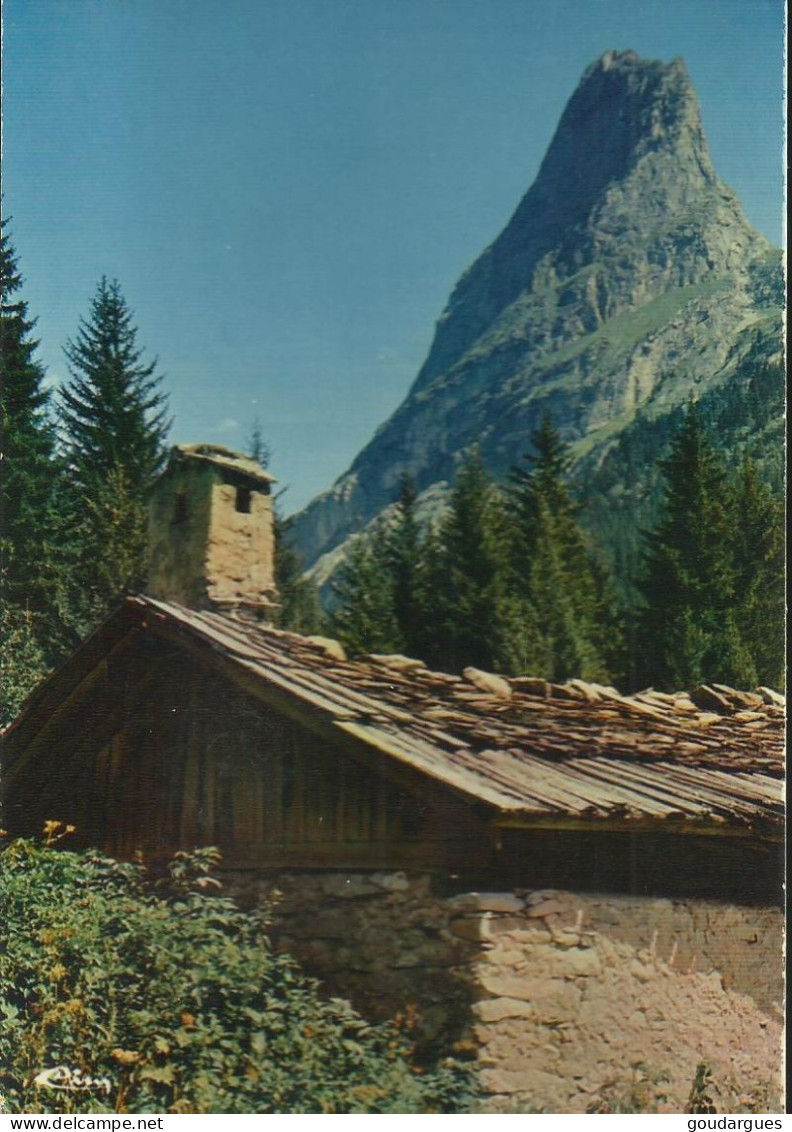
[627, 282]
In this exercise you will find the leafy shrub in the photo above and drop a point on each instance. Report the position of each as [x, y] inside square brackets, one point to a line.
[175, 998]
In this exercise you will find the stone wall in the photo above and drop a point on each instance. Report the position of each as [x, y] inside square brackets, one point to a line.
[577, 994]
[381, 939]
[240, 555]
[202, 547]
[558, 996]
[179, 521]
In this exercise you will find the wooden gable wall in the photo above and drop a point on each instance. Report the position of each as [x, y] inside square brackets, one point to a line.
[166, 753]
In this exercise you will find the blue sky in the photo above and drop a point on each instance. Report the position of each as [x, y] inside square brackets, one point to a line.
[287, 190]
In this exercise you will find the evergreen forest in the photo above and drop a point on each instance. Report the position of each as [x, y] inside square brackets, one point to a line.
[509, 580]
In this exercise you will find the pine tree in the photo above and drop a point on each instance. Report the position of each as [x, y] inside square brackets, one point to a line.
[112, 411]
[29, 471]
[363, 617]
[386, 592]
[257, 447]
[431, 579]
[688, 625]
[468, 616]
[114, 423]
[30, 636]
[299, 609]
[570, 626]
[22, 660]
[759, 574]
[108, 540]
[403, 561]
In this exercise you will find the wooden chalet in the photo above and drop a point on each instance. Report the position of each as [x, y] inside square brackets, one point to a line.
[569, 880]
[174, 727]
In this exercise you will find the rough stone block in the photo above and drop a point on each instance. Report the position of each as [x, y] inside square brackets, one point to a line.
[539, 895]
[503, 985]
[580, 962]
[503, 955]
[476, 928]
[513, 1041]
[532, 933]
[487, 902]
[331, 648]
[488, 682]
[545, 960]
[527, 1081]
[567, 939]
[464, 902]
[496, 1009]
[643, 972]
[549, 908]
[552, 1000]
[514, 926]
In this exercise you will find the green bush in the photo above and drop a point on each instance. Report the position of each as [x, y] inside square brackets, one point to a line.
[173, 997]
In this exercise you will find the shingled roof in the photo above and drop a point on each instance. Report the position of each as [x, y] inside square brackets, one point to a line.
[538, 753]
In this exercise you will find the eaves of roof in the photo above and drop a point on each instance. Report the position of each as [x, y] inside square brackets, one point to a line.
[538, 755]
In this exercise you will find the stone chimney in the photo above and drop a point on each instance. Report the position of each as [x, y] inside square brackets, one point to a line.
[211, 538]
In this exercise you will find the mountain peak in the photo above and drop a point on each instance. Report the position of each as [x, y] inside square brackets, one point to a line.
[623, 280]
[610, 59]
[624, 110]
[628, 158]
[632, 104]
[628, 60]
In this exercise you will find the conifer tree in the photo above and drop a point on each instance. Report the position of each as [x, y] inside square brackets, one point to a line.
[108, 539]
[22, 660]
[28, 469]
[431, 579]
[257, 447]
[29, 628]
[299, 609]
[113, 412]
[469, 613]
[403, 560]
[363, 617]
[114, 423]
[570, 624]
[759, 574]
[381, 595]
[688, 626]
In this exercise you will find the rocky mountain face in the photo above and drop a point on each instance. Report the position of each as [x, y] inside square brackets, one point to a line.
[627, 283]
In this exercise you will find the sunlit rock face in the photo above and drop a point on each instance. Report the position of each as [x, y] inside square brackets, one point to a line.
[627, 282]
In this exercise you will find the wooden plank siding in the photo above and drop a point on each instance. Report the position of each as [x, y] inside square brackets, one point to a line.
[518, 752]
[174, 755]
[172, 728]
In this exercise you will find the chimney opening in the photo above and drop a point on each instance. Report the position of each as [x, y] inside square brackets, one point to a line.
[211, 543]
[243, 496]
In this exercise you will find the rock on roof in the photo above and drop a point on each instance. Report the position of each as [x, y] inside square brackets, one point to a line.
[539, 753]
